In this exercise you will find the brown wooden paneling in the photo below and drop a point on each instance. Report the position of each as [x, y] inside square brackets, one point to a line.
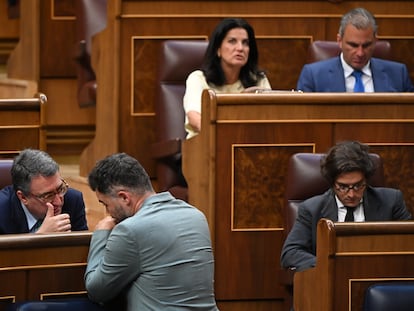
[283, 29]
[22, 123]
[255, 195]
[39, 267]
[9, 33]
[236, 170]
[400, 48]
[56, 282]
[394, 142]
[57, 39]
[350, 257]
[9, 27]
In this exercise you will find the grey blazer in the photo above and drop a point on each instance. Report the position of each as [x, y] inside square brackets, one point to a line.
[161, 258]
[299, 249]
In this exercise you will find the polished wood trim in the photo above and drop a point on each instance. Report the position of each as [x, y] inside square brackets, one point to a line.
[43, 266]
[66, 294]
[8, 298]
[23, 241]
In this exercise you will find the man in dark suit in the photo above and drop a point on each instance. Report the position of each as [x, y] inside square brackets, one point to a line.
[39, 200]
[356, 38]
[347, 167]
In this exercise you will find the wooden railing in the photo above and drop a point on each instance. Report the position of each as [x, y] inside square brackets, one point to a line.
[22, 124]
[42, 266]
[350, 258]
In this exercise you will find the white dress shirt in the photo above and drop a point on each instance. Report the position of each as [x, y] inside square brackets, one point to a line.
[350, 79]
[358, 211]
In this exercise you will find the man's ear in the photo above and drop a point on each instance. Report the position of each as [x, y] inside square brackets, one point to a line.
[339, 40]
[21, 197]
[124, 196]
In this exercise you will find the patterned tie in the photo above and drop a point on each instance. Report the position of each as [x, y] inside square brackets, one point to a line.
[349, 214]
[36, 226]
[359, 86]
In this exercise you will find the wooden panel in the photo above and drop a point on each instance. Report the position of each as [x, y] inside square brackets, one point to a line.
[69, 128]
[394, 142]
[401, 47]
[14, 140]
[14, 88]
[9, 27]
[63, 109]
[9, 33]
[350, 257]
[57, 39]
[39, 267]
[249, 210]
[236, 170]
[22, 123]
[283, 29]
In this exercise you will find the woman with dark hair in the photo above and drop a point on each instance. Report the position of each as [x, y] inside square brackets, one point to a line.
[230, 66]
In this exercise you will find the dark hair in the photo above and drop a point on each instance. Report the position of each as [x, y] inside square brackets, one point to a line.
[249, 73]
[345, 157]
[119, 171]
[31, 163]
[360, 18]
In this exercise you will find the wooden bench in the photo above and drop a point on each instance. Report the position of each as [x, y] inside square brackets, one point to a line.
[350, 258]
[42, 266]
[22, 124]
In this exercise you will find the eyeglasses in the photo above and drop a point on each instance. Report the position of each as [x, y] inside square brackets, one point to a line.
[344, 188]
[48, 197]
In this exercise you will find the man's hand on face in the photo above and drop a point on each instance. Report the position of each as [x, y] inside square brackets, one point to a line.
[108, 223]
[55, 223]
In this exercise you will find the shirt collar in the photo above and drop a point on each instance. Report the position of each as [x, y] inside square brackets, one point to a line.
[31, 220]
[341, 205]
[348, 70]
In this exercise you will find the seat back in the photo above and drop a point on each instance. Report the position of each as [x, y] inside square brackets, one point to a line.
[177, 60]
[395, 296]
[5, 172]
[304, 180]
[321, 50]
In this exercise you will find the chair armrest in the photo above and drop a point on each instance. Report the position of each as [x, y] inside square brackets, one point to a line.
[166, 148]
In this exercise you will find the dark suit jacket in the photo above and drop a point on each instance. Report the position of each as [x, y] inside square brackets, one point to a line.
[13, 219]
[299, 249]
[328, 76]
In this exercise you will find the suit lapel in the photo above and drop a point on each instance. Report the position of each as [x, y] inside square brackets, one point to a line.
[371, 208]
[330, 209]
[336, 76]
[380, 78]
[18, 215]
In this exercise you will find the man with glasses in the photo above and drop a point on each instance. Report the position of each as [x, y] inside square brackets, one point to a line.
[347, 167]
[40, 200]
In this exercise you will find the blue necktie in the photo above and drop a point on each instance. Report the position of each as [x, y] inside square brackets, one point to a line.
[359, 86]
